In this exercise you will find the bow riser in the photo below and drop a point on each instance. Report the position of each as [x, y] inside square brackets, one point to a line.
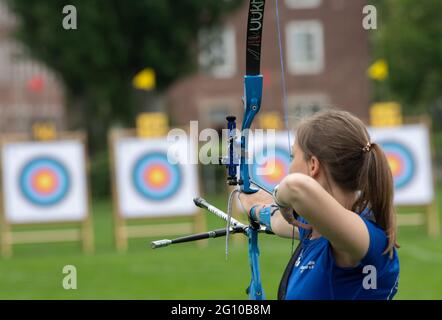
[252, 103]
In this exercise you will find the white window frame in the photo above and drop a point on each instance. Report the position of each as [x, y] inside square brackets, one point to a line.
[226, 49]
[302, 4]
[293, 30]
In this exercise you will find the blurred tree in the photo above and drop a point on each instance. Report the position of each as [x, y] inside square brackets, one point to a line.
[409, 37]
[113, 41]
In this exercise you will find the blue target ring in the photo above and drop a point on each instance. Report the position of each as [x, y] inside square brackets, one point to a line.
[280, 168]
[155, 178]
[44, 181]
[401, 161]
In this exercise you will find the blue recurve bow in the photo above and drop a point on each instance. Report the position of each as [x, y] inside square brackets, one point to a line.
[253, 85]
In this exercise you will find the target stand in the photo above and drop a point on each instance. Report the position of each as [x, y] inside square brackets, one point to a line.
[151, 196]
[45, 193]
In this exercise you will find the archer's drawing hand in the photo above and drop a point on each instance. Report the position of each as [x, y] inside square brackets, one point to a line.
[260, 198]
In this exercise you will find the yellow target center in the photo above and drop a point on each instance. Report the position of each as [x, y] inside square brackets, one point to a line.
[274, 169]
[157, 177]
[45, 181]
[394, 164]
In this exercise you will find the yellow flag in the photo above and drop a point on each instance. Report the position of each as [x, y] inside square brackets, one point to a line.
[378, 70]
[145, 79]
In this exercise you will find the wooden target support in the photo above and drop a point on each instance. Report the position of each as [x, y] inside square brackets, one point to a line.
[424, 215]
[26, 232]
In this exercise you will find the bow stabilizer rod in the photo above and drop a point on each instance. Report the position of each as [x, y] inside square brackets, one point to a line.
[200, 202]
[194, 237]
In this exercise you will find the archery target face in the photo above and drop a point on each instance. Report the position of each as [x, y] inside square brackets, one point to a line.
[407, 149]
[44, 181]
[270, 167]
[402, 164]
[271, 159]
[154, 177]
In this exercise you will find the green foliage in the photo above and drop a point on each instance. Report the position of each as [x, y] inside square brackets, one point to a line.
[437, 142]
[113, 41]
[409, 36]
[100, 176]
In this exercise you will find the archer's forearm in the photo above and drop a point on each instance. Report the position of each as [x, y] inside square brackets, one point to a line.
[282, 228]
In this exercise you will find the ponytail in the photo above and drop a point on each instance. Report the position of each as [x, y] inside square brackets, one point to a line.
[376, 186]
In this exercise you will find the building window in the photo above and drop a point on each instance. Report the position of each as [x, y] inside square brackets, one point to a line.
[305, 47]
[302, 4]
[305, 105]
[218, 52]
[212, 112]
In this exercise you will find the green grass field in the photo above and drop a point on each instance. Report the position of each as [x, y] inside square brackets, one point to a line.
[186, 271]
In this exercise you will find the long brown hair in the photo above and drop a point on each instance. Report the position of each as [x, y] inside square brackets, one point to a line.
[343, 146]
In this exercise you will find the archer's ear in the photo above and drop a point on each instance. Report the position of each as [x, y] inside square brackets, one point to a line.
[313, 167]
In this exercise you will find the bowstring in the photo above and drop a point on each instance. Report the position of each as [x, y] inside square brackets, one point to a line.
[284, 93]
[229, 217]
[283, 80]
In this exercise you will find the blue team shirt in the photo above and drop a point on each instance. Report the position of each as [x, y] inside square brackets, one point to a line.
[315, 275]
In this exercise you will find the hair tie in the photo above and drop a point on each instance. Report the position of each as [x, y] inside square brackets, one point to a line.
[367, 147]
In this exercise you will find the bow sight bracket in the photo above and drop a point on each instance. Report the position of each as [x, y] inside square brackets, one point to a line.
[231, 161]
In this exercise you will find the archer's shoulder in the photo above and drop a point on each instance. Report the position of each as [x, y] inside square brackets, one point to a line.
[301, 181]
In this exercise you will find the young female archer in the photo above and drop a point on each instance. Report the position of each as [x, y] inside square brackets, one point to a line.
[338, 201]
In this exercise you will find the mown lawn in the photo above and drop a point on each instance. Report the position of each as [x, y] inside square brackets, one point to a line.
[185, 271]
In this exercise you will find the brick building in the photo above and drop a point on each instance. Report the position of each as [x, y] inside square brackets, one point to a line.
[326, 54]
[28, 90]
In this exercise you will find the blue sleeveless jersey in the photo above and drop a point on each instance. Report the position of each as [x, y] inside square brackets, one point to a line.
[315, 275]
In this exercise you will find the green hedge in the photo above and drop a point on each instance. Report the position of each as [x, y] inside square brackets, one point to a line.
[100, 175]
